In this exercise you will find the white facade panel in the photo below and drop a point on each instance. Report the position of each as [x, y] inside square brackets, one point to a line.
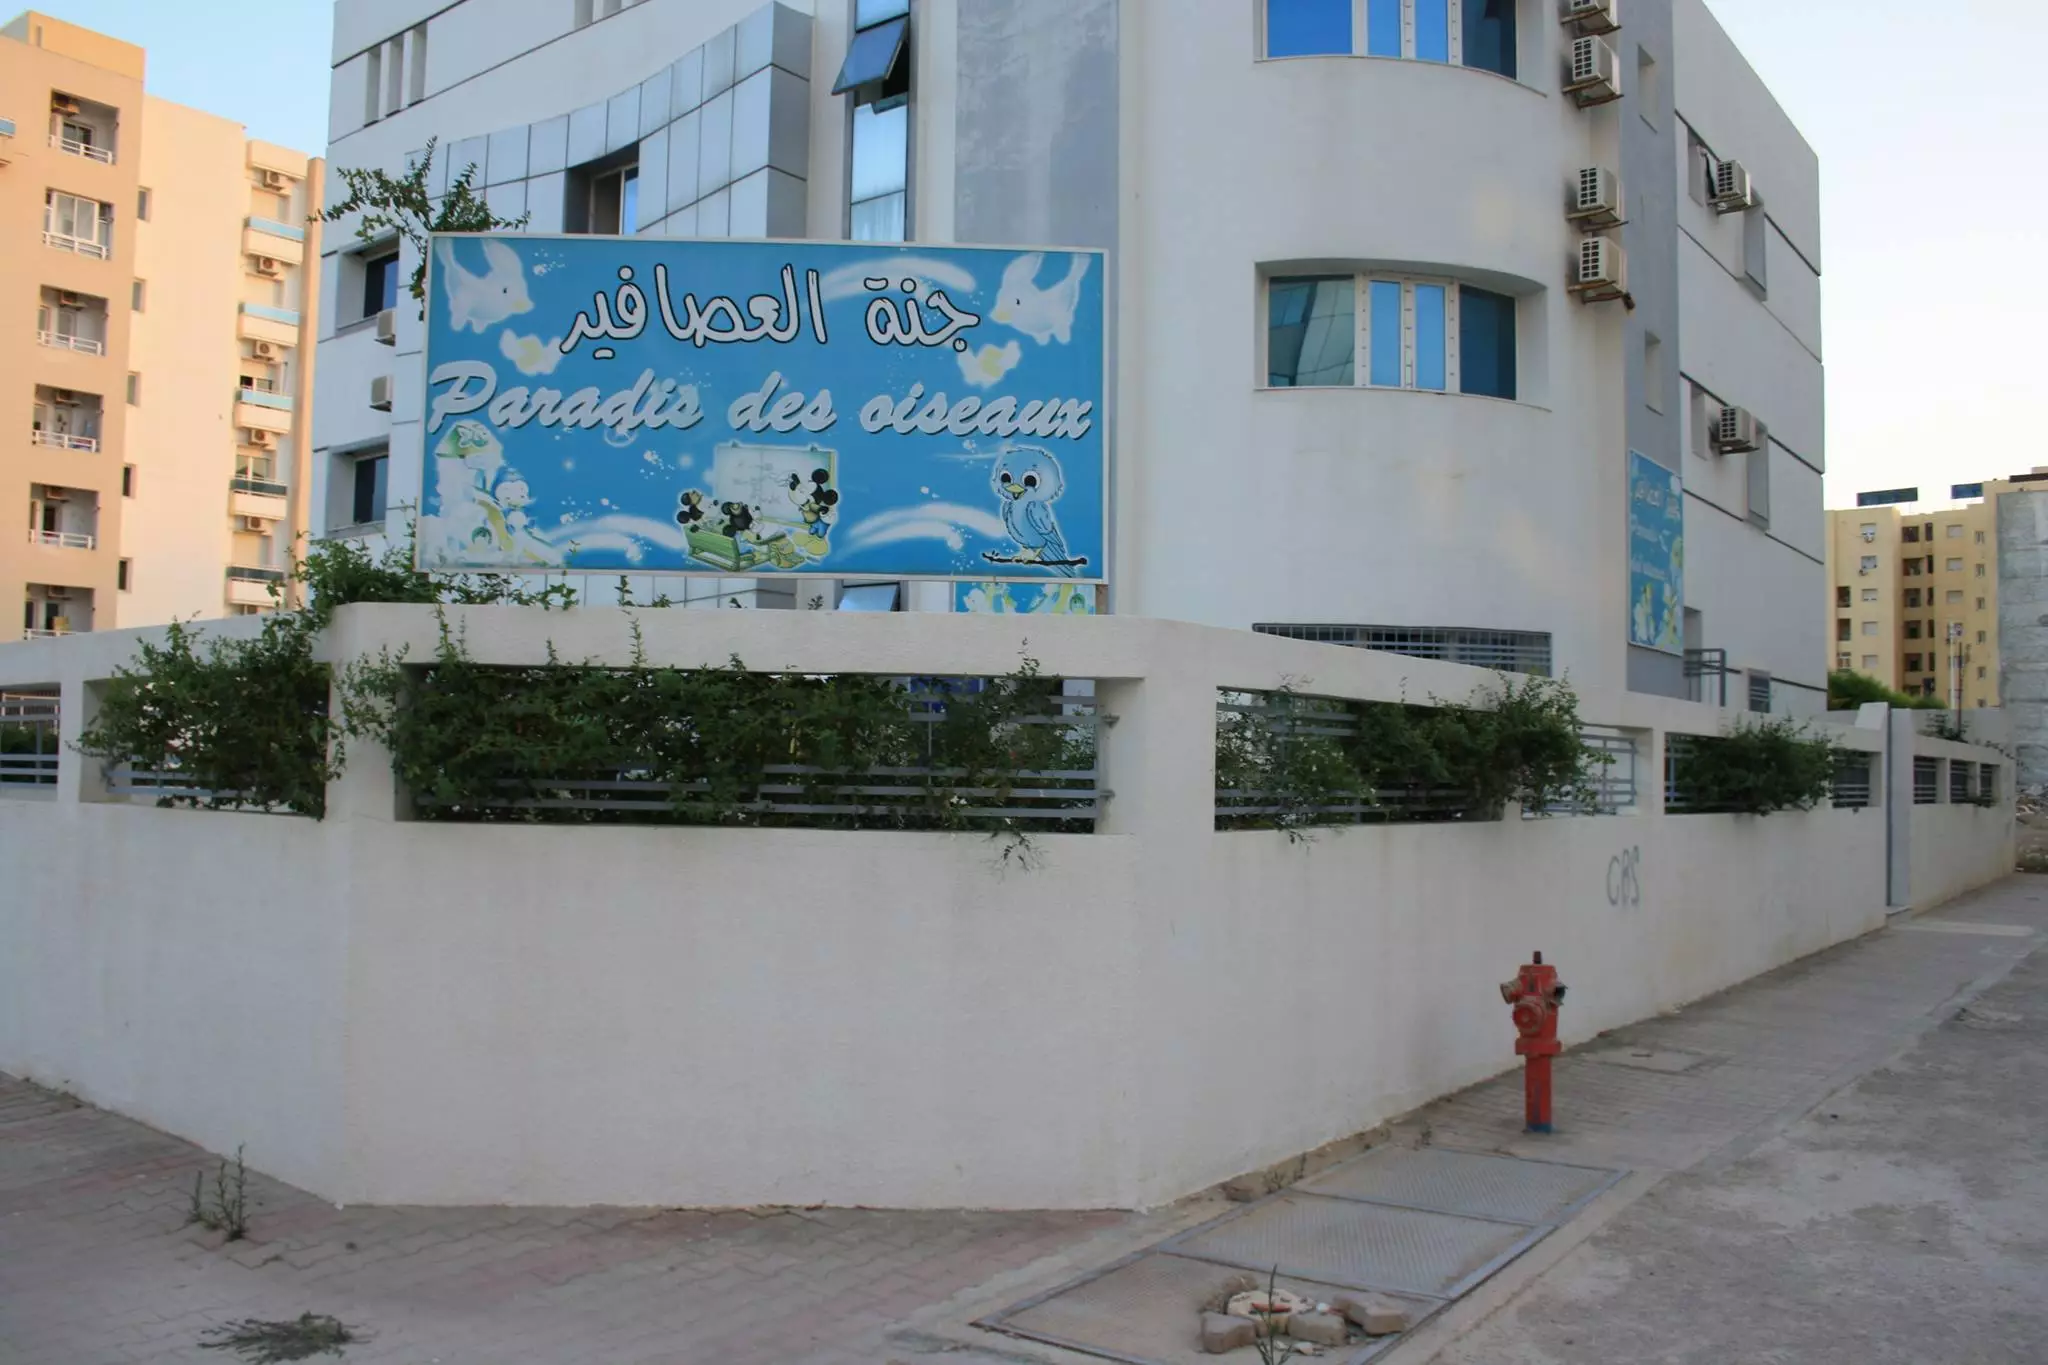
[1728, 343]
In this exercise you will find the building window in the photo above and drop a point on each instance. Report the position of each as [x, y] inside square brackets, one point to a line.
[134, 389]
[1649, 98]
[1870, 662]
[373, 85]
[1912, 663]
[142, 205]
[1869, 530]
[1510, 651]
[1868, 563]
[135, 295]
[1870, 594]
[876, 75]
[1760, 692]
[369, 487]
[85, 226]
[1311, 332]
[1486, 343]
[1653, 372]
[1476, 33]
[614, 201]
[1955, 597]
[416, 65]
[1841, 597]
[871, 597]
[127, 480]
[1980, 637]
[1912, 597]
[1980, 604]
[1842, 628]
[1870, 627]
[124, 580]
[1980, 571]
[1980, 537]
[1308, 28]
[1910, 535]
[380, 283]
[1953, 531]
[1980, 670]
[1953, 566]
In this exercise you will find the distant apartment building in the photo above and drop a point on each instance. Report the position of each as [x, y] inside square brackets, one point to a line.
[152, 374]
[1915, 590]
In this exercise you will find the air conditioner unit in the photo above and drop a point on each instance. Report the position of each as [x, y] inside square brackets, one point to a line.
[1862, 572]
[1592, 73]
[55, 495]
[1589, 16]
[258, 525]
[1593, 198]
[387, 327]
[274, 180]
[53, 594]
[380, 393]
[1728, 188]
[265, 350]
[259, 438]
[268, 266]
[1735, 431]
[64, 398]
[63, 104]
[67, 298]
[1599, 270]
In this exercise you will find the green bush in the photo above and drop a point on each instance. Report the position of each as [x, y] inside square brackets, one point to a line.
[1755, 768]
[1848, 689]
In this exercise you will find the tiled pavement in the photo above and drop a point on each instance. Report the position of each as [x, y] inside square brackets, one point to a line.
[98, 1268]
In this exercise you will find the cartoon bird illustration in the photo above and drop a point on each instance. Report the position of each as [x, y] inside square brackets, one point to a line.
[1041, 314]
[1028, 481]
[480, 302]
[988, 364]
[530, 355]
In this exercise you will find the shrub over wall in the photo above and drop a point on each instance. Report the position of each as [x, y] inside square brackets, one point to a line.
[1755, 768]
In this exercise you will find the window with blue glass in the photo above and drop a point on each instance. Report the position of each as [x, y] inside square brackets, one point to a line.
[1432, 335]
[1308, 28]
[1311, 331]
[1474, 33]
[1486, 342]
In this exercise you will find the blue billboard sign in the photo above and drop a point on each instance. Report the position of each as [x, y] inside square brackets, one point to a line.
[1885, 497]
[1025, 599]
[651, 405]
[1656, 556]
[1959, 491]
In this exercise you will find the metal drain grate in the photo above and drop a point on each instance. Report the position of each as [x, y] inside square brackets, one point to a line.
[1471, 1183]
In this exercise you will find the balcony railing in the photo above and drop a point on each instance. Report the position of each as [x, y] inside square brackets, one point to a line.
[266, 398]
[261, 487]
[64, 440]
[72, 145]
[64, 241]
[262, 310]
[246, 573]
[277, 229]
[33, 634]
[63, 540]
[66, 341]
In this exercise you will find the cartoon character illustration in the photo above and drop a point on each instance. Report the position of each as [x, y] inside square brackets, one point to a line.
[1041, 314]
[1645, 620]
[986, 366]
[480, 302]
[739, 519]
[815, 501]
[1028, 482]
[690, 510]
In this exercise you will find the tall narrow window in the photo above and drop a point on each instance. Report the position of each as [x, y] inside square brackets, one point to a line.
[1311, 332]
[1486, 342]
[380, 284]
[1308, 28]
[373, 85]
[142, 204]
[369, 489]
[1433, 30]
[1382, 28]
[1429, 337]
[1386, 333]
[135, 293]
[416, 65]
[881, 173]
[1490, 36]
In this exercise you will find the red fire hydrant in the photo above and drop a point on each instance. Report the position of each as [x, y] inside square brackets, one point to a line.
[1535, 994]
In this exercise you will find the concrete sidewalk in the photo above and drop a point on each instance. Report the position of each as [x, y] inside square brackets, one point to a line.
[1897, 1222]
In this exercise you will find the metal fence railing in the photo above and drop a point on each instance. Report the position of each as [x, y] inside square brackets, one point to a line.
[1926, 781]
[1852, 784]
[28, 741]
[1960, 781]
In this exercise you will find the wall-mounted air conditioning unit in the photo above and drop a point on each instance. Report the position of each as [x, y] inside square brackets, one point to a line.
[1735, 431]
[267, 266]
[64, 398]
[67, 298]
[63, 104]
[387, 326]
[1728, 188]
[1589, 16]
[256, 525]
[274, 180]
[380, 393]
[56, 594]
[1592, 73]
[259, 439]
[55, 495]
[1599, 270]
[1593, 198]
[265, 350]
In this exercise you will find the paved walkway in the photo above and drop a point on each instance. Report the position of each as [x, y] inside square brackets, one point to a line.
[1763, 1220]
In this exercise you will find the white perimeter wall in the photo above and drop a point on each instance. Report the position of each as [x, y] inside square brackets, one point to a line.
[386, 1011]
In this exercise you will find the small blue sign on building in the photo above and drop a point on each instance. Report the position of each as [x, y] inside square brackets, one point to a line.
[1960, 491]
[1884, 497]
[1656, 556]
[652, 405]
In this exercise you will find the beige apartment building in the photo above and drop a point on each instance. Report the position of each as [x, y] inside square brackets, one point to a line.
[1915, 591]
[155, 356]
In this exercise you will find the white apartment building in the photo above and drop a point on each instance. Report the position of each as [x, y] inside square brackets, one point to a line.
[1398, 285]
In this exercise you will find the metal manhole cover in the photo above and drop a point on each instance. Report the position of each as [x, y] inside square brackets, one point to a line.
[1148, 1312]
[1669, 1061]
[1472, 1183]
[1364, 1246]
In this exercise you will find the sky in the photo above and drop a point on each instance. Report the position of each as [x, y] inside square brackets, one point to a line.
[1926, 120]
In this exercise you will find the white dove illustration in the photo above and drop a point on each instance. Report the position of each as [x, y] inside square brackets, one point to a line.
[1041, 314]
[480, 302]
